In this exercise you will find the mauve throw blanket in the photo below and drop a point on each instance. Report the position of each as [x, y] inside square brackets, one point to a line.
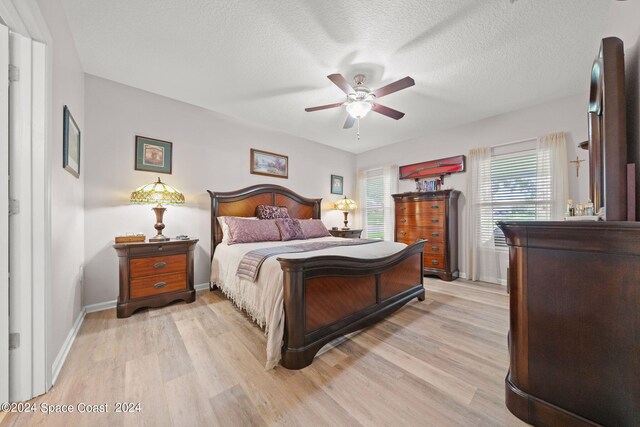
[249, 266]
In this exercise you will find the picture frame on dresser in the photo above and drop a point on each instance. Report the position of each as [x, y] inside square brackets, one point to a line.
[70, 144]
[153, 155]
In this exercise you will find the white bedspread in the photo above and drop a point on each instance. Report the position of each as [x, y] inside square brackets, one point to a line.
[263, 300]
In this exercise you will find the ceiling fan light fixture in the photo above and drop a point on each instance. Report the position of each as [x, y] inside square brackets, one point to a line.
[359, 109]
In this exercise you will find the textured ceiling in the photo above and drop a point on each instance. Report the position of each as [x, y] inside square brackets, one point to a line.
[266, 60]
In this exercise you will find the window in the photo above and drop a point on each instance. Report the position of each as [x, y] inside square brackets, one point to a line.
[520, 191]
[376, 213]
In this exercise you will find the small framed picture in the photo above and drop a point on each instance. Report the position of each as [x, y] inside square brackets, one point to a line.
[336, 184]
[71, 144]
[153, 155]
[269, 164]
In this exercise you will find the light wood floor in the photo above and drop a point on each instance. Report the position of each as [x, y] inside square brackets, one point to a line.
[439, 362]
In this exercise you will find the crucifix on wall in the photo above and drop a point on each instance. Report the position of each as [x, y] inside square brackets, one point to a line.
[577, 161]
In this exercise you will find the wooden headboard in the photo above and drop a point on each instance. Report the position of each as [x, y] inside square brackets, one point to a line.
[244, 202]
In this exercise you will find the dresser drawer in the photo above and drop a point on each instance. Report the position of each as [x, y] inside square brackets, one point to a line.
[433, 261]
[142, 267]
[435, 248]
[435, 219]
[420, 208]
[413, 234]
[154, 285]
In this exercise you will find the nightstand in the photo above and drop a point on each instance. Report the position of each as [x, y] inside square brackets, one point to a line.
[154, 274]
[352, 233]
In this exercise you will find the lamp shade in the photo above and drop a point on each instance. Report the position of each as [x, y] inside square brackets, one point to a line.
[157, 192]
[346, 204]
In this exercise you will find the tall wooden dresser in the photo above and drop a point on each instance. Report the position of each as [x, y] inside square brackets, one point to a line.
[433, 217]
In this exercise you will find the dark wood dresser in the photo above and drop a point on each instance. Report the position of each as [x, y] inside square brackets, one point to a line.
[574, 291]
[353, 233]
[432, 217]
[154, 274]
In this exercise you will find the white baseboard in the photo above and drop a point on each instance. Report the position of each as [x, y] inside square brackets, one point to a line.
[462, 275]
[91, 308]
[66, 346]
[201, 287]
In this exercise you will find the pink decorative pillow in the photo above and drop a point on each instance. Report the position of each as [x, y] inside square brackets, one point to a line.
[290, 229]
[243, 230]
[313, 228]
[271, 212]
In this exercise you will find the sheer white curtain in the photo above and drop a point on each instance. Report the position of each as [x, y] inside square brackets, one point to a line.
[482, 259]
[390, 174]
[552, 173]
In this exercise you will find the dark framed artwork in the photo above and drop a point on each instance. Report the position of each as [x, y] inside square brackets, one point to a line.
[337, 184]
[269, 164]
[153, 155]
[71, 144]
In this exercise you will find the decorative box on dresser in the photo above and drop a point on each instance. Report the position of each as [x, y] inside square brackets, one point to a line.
[432, 217]
[154, 274]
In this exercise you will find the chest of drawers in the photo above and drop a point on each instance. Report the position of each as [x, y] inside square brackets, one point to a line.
[154, 274]
[432, 217]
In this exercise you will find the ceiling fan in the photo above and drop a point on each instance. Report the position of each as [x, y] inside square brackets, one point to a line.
[361, 99]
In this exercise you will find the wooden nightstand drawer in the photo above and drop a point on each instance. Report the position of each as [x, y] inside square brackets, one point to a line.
[142, 267]
[156, 249]
[154, 285]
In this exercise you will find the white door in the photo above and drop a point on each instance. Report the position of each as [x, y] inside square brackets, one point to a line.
[20, 218]
[4, 214]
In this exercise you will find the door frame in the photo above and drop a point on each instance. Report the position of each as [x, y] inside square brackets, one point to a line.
[4, 219]
[24, 17]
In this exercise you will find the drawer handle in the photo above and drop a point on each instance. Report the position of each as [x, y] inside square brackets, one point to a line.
[403, 220]
[159, 248]
[402, 233]
[160, 285]
[403, 208]
[160, 264]
[435, 207]
[435, 248]
[434, 262]
[435, 220]
[435, 234]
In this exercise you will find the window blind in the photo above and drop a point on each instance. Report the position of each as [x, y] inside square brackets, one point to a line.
[519, 190]
[374, 204]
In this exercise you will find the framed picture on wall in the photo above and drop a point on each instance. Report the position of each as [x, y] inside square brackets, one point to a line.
[269, 164]
[71, 144]
[153, 155]
[337, 184]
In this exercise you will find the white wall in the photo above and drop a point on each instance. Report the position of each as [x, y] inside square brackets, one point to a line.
[210, 152]
[67, 200]
[567, 114]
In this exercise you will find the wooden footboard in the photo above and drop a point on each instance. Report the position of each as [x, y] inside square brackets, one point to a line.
[329, 296]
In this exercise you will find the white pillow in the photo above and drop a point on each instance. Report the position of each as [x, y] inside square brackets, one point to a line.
[222, 220]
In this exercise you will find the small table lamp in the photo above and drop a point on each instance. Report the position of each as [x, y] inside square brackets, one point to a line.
[345, 205]
[157, 192]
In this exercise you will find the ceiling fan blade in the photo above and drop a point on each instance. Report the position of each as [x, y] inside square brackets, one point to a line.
[389, 112]
[324, 107]
[341, 82]
[348, 124]
[394, 87]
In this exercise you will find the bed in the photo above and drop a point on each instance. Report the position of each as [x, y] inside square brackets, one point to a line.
[314, 297]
